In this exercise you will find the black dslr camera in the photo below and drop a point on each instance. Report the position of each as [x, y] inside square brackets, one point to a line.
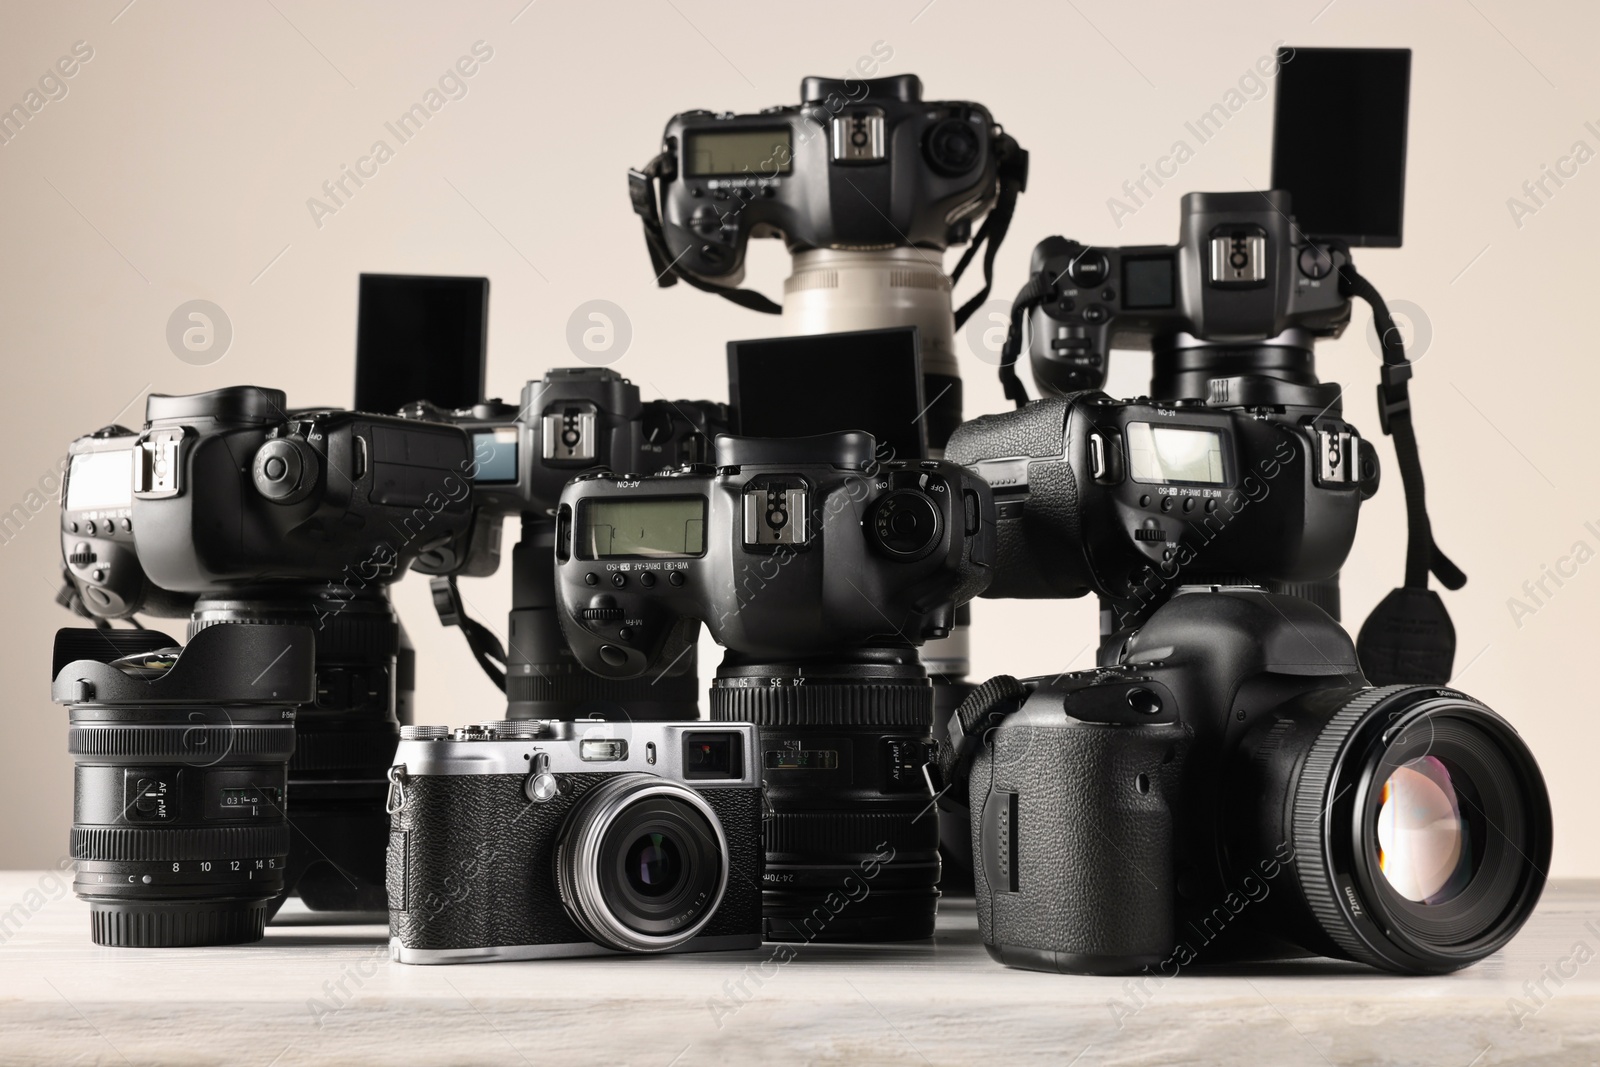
[571, 421]
[820, 570]
[1231, 315]
[230, 509]
[535, 840]
[1131, 499]
[1230, 788]
[866, 182]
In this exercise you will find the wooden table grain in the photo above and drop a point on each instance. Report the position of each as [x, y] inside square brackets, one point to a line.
[329, 994]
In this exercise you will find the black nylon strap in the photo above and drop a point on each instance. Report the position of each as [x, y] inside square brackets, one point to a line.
[1013, 171]
[485, 646]
[1038, 289]
[642, 193]
[1394, 415]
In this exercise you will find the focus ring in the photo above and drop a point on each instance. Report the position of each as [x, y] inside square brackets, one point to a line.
[1311, 802]
[207, 743]
[118, 844]
[887, 704]
[848, 832]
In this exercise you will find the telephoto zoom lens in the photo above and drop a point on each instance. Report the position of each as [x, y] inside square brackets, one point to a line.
[181, 758]
[852, 838]
[1419, 822]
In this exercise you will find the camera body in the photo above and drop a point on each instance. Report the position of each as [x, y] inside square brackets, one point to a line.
[1231, 788]
[534, 840]
[573, 419]
[847, 552]
[857, 165]
[227, 490]
[1130, 499]
[1242, 276]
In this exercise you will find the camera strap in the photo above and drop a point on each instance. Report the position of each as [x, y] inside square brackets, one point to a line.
[983, 709]
[1038, 290]
[642, 191]
[1012, 160]
[1409, 636]
[485, 646]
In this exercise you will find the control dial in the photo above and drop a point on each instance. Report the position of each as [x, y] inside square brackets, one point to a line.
[906, 525]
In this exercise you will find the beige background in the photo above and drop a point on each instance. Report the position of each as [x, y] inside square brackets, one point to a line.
[178, 165]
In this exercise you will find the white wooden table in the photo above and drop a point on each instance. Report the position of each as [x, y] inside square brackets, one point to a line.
[311, 994]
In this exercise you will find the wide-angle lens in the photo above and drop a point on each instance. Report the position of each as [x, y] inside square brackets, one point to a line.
[1418, 821]
[179, 828]
[1424, 846]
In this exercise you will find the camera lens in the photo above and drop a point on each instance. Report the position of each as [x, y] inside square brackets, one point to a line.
[345, 742]
[654, 865]
[642, 863]
[1418, 819]
[852, 843]
[1424, 841]
[178, 826]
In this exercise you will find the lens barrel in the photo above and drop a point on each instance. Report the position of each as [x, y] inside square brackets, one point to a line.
[1419, 822]
[642, 863]
[179, 827]
[852, 841]
[345, 742]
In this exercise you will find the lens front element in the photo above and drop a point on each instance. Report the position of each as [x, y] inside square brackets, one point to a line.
[1424, 849]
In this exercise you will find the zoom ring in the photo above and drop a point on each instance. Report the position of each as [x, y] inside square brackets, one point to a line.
[121, 845]
[884, 704]
[1311, 802]
[848, 832]
[206, 744]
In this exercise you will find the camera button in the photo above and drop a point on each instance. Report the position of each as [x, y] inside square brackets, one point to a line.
[612, 656]
[591, 578]
[676, 577]
[1166, 503]
[619, 580]
[1188, 505]
[1094, 313]
[1143, 701]
[1144, 501]
[1089, 269]
[127, 524]
[647, 579]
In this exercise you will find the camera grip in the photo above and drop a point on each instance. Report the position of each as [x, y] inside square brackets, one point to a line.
[1073, 844]
[1036, 536]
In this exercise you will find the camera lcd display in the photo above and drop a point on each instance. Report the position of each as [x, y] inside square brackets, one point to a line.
[1167, 454]
[100, 480]
[420, 337]
[866, 380]
[649, 528]
[754, 152]
[494, 455]
[1339, 141]
[1147, 283]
